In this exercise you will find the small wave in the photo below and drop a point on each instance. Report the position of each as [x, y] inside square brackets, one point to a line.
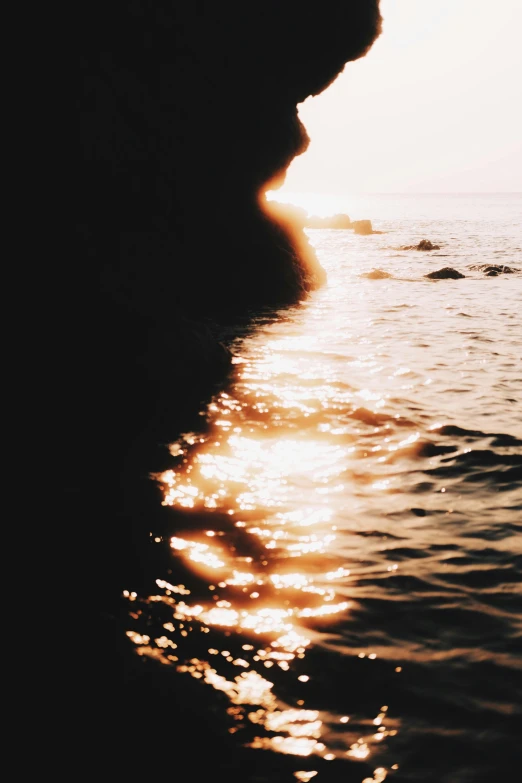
[424, 449]
[378, 534]
[496, 532]
[480, 578]
[482, 466]
[498, 438]
[375, 419]
[483, 457]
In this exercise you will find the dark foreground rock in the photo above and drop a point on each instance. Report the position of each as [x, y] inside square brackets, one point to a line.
[447, 273]
[188, 111]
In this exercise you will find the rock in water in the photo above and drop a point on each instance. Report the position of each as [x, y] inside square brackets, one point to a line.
[362, 227]
[425, 244]
[376, 274]
[334, 221]
[492, 270]
[447, 273]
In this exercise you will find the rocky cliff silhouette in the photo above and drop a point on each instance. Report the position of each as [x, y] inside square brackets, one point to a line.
[187, 111]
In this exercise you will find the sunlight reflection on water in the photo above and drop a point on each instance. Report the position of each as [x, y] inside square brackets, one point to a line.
[324, 473]
[280, 493]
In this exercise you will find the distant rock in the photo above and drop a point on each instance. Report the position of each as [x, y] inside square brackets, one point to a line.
[333, 221]
[492, 270]
[447, 273]
[341, 221]
[362, 227]
[424, 244]
[376, 274]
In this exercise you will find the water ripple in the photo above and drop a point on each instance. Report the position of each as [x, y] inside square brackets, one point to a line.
[341, 567]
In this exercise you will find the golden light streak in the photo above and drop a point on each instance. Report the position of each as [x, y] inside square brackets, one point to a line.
[264, 556]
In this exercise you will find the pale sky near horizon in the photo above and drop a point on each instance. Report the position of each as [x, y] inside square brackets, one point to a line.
[434, 107]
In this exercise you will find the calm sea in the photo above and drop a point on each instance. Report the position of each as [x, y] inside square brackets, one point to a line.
[343, 571]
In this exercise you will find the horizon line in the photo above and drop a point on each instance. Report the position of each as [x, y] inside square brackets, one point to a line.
[406, 193]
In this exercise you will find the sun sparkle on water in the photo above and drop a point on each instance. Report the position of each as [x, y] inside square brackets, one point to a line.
[271, 571]
[283, 518]
[274, 507]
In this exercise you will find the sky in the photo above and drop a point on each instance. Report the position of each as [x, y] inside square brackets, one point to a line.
[434, 107]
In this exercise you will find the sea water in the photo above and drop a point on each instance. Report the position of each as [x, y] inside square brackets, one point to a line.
[345, 553]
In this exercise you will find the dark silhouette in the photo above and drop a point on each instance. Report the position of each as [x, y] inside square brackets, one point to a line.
[187, 111]
[424, 244]
[447, 273]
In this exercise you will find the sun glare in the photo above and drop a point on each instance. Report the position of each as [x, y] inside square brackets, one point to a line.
[318, 204]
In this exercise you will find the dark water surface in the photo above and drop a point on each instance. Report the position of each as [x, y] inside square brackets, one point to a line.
[342, 571]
